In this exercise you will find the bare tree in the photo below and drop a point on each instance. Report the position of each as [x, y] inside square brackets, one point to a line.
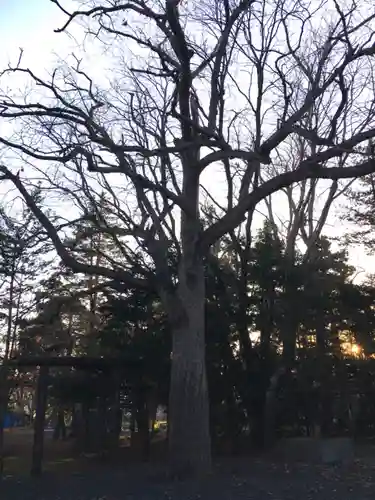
[181, 116]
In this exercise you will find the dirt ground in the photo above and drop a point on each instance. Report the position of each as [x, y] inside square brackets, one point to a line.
[68, 477]
[59, 456]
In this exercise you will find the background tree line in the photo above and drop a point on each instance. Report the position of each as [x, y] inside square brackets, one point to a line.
[318, 387]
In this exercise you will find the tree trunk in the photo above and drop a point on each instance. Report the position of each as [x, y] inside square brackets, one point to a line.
[74, 426]
[243, 322]
[98, 431]
[84, 440]
[115, 422]
[80, 426]
[142, 435]
[4, 393]
[271, 406]
[40, 417]
[4, 383]
[59, 430]
[189, 433]
[289, 336]
[323, 378]
[117, 412]
[261, 431]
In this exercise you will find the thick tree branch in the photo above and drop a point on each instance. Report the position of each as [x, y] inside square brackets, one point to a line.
[71, 152]
[340, 149]
[312, 95]
[116, 275]
[248, 156]
[311, 171]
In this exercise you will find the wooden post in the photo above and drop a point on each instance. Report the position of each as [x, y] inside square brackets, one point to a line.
[40, 417]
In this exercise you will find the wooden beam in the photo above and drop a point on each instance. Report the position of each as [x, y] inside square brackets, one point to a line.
[83, 362]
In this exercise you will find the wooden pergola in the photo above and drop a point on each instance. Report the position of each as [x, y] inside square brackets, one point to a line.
[87, 363]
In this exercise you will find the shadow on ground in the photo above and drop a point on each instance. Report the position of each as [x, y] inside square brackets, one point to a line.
[259, 478]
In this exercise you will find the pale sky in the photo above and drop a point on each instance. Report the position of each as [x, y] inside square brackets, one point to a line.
[29, 24]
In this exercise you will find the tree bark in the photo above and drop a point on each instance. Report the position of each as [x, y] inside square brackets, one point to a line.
[324, 423]
[189, 433]
[4, 394]
[42, 393]
[98, 432]
[4, 383]
[243, 320]
[289, 338]
[141, 438]
[115, 416]
[59, 430]
[270, 407]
